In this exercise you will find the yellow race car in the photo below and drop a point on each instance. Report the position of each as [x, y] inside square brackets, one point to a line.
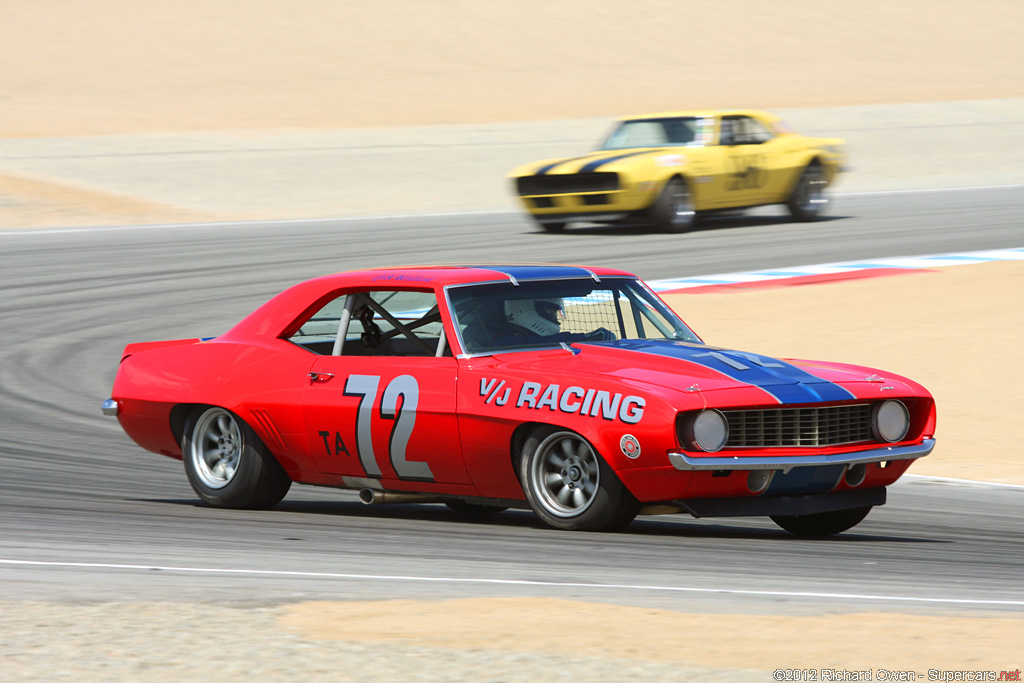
[665, 169]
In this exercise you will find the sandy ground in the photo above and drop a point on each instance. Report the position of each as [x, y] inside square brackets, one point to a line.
[499, 639]
[117, 68]
[86, 67]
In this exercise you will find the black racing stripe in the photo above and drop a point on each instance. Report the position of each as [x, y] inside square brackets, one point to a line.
[597, 163]
[547, 168]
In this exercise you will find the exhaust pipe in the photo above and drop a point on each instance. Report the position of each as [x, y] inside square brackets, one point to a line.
[373, 497]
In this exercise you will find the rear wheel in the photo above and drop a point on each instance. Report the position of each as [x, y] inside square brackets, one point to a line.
[808, 199]
[822, 523]
[569, 486]
[227, 464]
[673, 209]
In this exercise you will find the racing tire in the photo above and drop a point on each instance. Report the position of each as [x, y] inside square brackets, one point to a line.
[569, 486]
[822, 523]
[673, 210]
[227, 464]
[808, 200]
[473, 510]
[551, 227]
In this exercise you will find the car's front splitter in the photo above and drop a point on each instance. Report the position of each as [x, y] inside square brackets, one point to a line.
[766, 506]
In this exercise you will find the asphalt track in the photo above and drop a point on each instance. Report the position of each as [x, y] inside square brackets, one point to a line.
[87, 515]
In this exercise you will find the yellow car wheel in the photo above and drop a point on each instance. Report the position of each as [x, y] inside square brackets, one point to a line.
[808, 199]
[551, 227]
[673, 209]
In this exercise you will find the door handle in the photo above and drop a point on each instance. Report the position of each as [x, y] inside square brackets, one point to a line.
[320, 376]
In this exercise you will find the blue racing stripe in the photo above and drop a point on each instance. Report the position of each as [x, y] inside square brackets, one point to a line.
[803, 480]
[784, 381]
[539, 272]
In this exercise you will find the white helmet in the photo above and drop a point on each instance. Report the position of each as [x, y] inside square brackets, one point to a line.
[540, 316]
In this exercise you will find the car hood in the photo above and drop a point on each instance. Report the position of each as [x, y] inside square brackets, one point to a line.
[695, 367]
[607, 160]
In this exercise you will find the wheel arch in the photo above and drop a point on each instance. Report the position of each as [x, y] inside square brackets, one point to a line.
[798, 171]
[179, 415]
[522, 432]
[691, 184]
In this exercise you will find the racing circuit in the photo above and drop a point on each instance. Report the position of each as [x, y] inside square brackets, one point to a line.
[223, 151]
[89, 516]
[87, 512]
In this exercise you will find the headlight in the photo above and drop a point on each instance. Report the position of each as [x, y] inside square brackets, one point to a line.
[707, 431]
[891, 421]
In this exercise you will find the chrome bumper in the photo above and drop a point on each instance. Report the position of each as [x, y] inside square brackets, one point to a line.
[686, 461]
[110, 407]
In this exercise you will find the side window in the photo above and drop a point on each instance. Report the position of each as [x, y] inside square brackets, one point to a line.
[750, 131]
[727, 131]
[742, 130]
[375, 323]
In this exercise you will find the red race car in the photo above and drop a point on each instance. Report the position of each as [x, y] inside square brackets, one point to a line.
[574, 391]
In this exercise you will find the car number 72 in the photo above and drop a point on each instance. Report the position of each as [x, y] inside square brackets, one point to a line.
[404, 417]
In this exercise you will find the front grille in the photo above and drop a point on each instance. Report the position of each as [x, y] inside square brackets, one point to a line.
[567, 184]
[799, 426]
[595, 199]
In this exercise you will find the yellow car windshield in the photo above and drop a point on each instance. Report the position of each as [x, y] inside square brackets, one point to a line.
[663, 132]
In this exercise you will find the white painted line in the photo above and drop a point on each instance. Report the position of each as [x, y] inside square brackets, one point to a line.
[245, 224]
[514, 582]
[874, 193]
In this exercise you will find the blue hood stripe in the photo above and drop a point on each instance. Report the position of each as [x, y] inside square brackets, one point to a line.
[784, 381]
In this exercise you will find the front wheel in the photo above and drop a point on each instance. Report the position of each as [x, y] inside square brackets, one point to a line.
[808, 199]
[822, 523]
[673, 209]
[227, 464]
[551, 227]
[569, 486]
[474, 510]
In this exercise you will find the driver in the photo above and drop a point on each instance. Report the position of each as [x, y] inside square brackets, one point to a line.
[532, 318]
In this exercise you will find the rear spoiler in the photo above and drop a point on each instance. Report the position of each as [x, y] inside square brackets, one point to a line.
[147, 346]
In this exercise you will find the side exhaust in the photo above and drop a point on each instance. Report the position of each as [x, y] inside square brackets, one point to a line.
[372, 497]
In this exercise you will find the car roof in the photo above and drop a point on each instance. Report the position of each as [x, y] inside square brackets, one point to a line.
[701, 113]
[454, 274]
[268, 319]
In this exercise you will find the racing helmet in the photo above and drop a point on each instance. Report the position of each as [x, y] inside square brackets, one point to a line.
[539, 316]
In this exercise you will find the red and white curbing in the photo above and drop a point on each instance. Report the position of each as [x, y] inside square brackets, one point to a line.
[829, 272]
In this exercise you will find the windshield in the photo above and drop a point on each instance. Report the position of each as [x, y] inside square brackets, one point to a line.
[664, 132]
[492, 318]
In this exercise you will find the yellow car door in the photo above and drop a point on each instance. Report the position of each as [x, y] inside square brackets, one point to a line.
[742, 172]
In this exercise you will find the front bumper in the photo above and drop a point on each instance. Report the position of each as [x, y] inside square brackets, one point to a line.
[596, 217]
[690, 462]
